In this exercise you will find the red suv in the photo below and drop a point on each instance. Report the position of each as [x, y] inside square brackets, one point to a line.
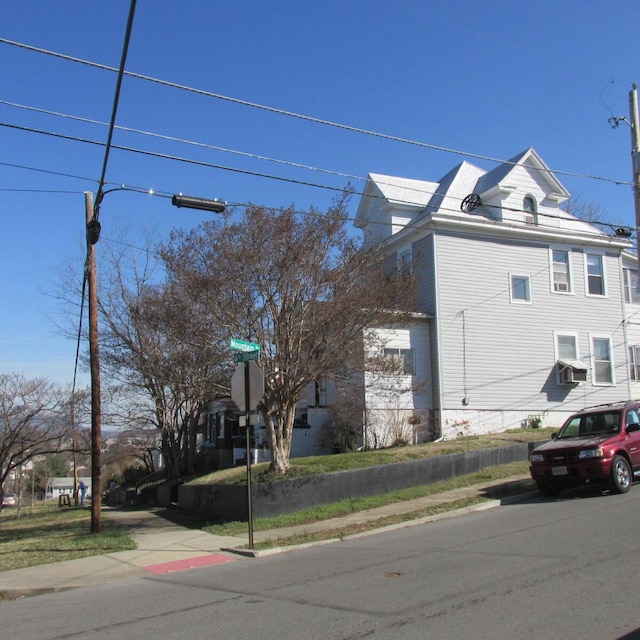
[599, 444]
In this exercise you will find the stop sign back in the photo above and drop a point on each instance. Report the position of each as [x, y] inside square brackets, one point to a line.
[239, 385]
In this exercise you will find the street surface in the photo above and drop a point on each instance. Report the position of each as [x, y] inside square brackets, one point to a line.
[541, 568]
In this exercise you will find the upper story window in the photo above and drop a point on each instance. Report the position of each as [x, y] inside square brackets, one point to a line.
[631, 284]
[530, 209]
[405, 261]
[595, 274]
[561, 270]
[520, 288]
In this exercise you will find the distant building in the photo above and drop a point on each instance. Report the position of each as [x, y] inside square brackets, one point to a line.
[57, 487]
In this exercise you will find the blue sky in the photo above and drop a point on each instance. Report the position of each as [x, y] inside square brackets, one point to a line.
[484, 78]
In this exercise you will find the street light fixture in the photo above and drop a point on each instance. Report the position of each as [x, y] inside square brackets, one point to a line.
[188, 202]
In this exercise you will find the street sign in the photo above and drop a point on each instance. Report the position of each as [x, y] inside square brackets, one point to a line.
[245, 356]
[243, 345]
[247, 376]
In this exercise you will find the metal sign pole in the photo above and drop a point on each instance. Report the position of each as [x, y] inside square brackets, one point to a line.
[248, 426]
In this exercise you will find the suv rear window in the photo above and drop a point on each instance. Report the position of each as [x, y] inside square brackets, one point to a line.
[590, 424]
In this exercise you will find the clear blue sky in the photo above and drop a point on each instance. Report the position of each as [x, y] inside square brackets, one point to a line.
[487, 78]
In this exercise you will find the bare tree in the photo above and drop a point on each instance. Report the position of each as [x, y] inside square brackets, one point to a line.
[35, 419]
[296, 284]
[163, 359]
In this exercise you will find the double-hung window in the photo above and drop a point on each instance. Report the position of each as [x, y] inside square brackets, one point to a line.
[602, 360]
[634, 363]
[561, 270]
[596, 285]
[631, 284]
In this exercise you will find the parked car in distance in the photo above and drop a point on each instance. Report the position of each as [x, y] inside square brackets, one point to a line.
[9, 500]
[596, 445]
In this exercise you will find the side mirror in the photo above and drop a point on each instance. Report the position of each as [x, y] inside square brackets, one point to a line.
[633, 427]
[554, 435]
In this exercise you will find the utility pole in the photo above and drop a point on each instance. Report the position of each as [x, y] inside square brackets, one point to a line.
[635, 159]
[94, 359]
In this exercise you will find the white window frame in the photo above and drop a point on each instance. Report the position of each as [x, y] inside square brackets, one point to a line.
[552, 272]
[594, 371]
[527, 278]
[631, 292]
[562, 356]
[603, 274]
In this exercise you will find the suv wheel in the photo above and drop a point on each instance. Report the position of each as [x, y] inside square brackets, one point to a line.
[547, 489]
[620, 475]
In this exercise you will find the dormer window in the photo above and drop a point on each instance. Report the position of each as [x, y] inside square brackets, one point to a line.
[530, 209]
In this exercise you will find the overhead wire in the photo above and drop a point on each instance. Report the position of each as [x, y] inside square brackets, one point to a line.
[293, 114]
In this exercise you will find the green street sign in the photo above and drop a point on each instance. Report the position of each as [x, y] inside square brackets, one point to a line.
[245, 356]
[243, 345]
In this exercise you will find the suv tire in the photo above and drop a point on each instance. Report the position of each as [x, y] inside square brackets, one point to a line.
[621, 477]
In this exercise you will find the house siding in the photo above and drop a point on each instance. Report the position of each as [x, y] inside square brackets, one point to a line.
[505, 350]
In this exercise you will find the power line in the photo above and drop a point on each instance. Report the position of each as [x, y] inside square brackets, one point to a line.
[299, 116]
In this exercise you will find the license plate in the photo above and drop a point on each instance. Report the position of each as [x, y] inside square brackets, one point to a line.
[559, 471]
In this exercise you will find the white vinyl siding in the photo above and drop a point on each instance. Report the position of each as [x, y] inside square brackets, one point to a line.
[497, 356]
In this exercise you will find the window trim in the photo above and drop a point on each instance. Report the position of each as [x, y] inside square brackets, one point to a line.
[594, 371]
[603, 274]
[552, 272]
[527, 278]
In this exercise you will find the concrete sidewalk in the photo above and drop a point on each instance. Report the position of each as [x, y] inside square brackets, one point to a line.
[165, 547]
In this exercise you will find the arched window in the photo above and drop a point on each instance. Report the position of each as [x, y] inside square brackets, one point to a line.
[530, 210]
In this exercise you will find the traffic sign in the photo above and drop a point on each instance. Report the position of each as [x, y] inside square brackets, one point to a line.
[243, 345]
[247, 377]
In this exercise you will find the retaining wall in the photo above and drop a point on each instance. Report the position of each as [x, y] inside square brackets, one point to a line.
[229, 502]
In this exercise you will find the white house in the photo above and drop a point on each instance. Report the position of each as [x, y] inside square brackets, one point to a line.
[524, 304]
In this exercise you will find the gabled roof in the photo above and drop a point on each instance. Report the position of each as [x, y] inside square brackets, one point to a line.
[529, 158]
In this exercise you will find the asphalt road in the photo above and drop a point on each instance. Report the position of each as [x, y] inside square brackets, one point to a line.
[540, 568]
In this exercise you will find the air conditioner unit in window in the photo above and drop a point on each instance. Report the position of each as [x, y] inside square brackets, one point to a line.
[569, 375]
[562, 286]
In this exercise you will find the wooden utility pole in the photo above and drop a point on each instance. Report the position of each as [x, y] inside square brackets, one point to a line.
[94, 359]
[635, 158]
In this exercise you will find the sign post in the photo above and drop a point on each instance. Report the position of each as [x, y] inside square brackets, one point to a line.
[247, 389]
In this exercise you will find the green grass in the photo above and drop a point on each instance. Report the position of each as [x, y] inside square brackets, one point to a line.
[359, 459]
[48, 534]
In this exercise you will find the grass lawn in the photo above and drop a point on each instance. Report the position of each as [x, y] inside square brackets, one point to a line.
[47, 534]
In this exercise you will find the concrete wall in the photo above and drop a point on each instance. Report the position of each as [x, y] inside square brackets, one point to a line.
[228, 503]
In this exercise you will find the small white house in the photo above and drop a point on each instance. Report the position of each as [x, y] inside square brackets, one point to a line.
[57, 487]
